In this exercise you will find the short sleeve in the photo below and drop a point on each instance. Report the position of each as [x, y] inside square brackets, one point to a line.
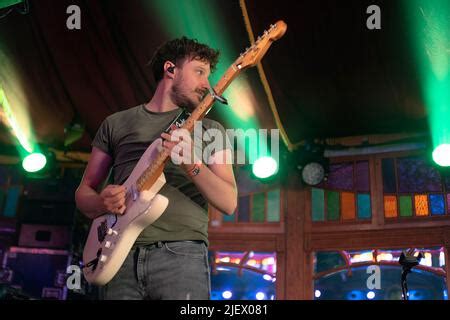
[215, 138]
[102, 139]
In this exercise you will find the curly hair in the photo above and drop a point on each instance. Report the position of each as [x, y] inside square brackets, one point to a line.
[178, 49]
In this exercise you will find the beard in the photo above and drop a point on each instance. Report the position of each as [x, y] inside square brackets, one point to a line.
[181, 97]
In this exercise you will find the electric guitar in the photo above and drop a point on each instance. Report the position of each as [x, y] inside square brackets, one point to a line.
[111, 236]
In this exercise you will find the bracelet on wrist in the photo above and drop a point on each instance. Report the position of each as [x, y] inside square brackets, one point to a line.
[194, 170]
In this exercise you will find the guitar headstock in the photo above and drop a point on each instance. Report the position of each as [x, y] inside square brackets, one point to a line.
[256, 52]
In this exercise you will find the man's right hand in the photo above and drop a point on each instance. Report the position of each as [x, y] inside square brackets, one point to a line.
[113, 197]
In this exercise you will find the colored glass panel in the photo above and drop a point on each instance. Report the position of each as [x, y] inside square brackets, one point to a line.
[258, 207]
[448, 203]
[2, 199]
[12, 199]
[273, 206]
[447, 182]
[390, 206]
[229, 218]
[388, 171]
[437, 204]
[341, 176]
[417, 175]
[317, 199]
[405, 204]
[362, 176]
[244, 209]
[364, 211]
[421, 204]
[348, 205]
[332, 205]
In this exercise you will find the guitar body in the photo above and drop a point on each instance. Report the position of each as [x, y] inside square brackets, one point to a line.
[111, 236]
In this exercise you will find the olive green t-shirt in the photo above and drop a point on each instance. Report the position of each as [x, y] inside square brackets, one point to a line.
[125, 136]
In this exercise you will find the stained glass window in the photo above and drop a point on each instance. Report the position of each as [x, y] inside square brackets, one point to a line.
[416, 175]
[2, 200]
[362, 176]
[405, 204]
[390, 206]
[333, 207]
[340, 176]
[437, 204]
[388, 170]
[258, 207]
[244, 209]
[447, 181]
[364, 211]
[346, 193]
[317, 200]
[421, 204]
[348, 205]
[448, 203]
[421, 187]
[12, 201]
[273, 206]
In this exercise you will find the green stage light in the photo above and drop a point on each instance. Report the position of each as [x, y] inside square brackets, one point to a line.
[34, 162]
[441, 155]
[265, 167]
[430, 42]
[9, 3]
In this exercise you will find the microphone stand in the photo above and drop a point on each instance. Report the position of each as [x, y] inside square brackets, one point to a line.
[408, 261]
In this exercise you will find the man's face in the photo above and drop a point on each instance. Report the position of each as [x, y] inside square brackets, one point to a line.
[190, 83]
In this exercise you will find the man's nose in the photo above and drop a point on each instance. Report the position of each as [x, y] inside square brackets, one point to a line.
[205, 85]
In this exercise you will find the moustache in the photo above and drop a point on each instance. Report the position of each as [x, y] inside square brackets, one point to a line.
[202, 92]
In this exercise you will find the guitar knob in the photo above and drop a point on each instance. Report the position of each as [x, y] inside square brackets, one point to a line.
[103, 258]
[107, 244]
[112, 232]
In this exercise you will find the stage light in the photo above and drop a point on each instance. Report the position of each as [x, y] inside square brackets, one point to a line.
[267, 277]
[34, 162]
[265, 167]
[441, 155]
[227, 294]
[313, 173]
[311, 163]
[9, 3]
[260, 295]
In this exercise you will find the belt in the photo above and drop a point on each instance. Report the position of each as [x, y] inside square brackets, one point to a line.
[159, 244]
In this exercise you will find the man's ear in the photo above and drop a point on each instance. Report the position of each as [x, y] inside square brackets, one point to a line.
[169, 67]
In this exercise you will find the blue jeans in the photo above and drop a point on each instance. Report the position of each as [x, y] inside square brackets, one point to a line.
[162, 271]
